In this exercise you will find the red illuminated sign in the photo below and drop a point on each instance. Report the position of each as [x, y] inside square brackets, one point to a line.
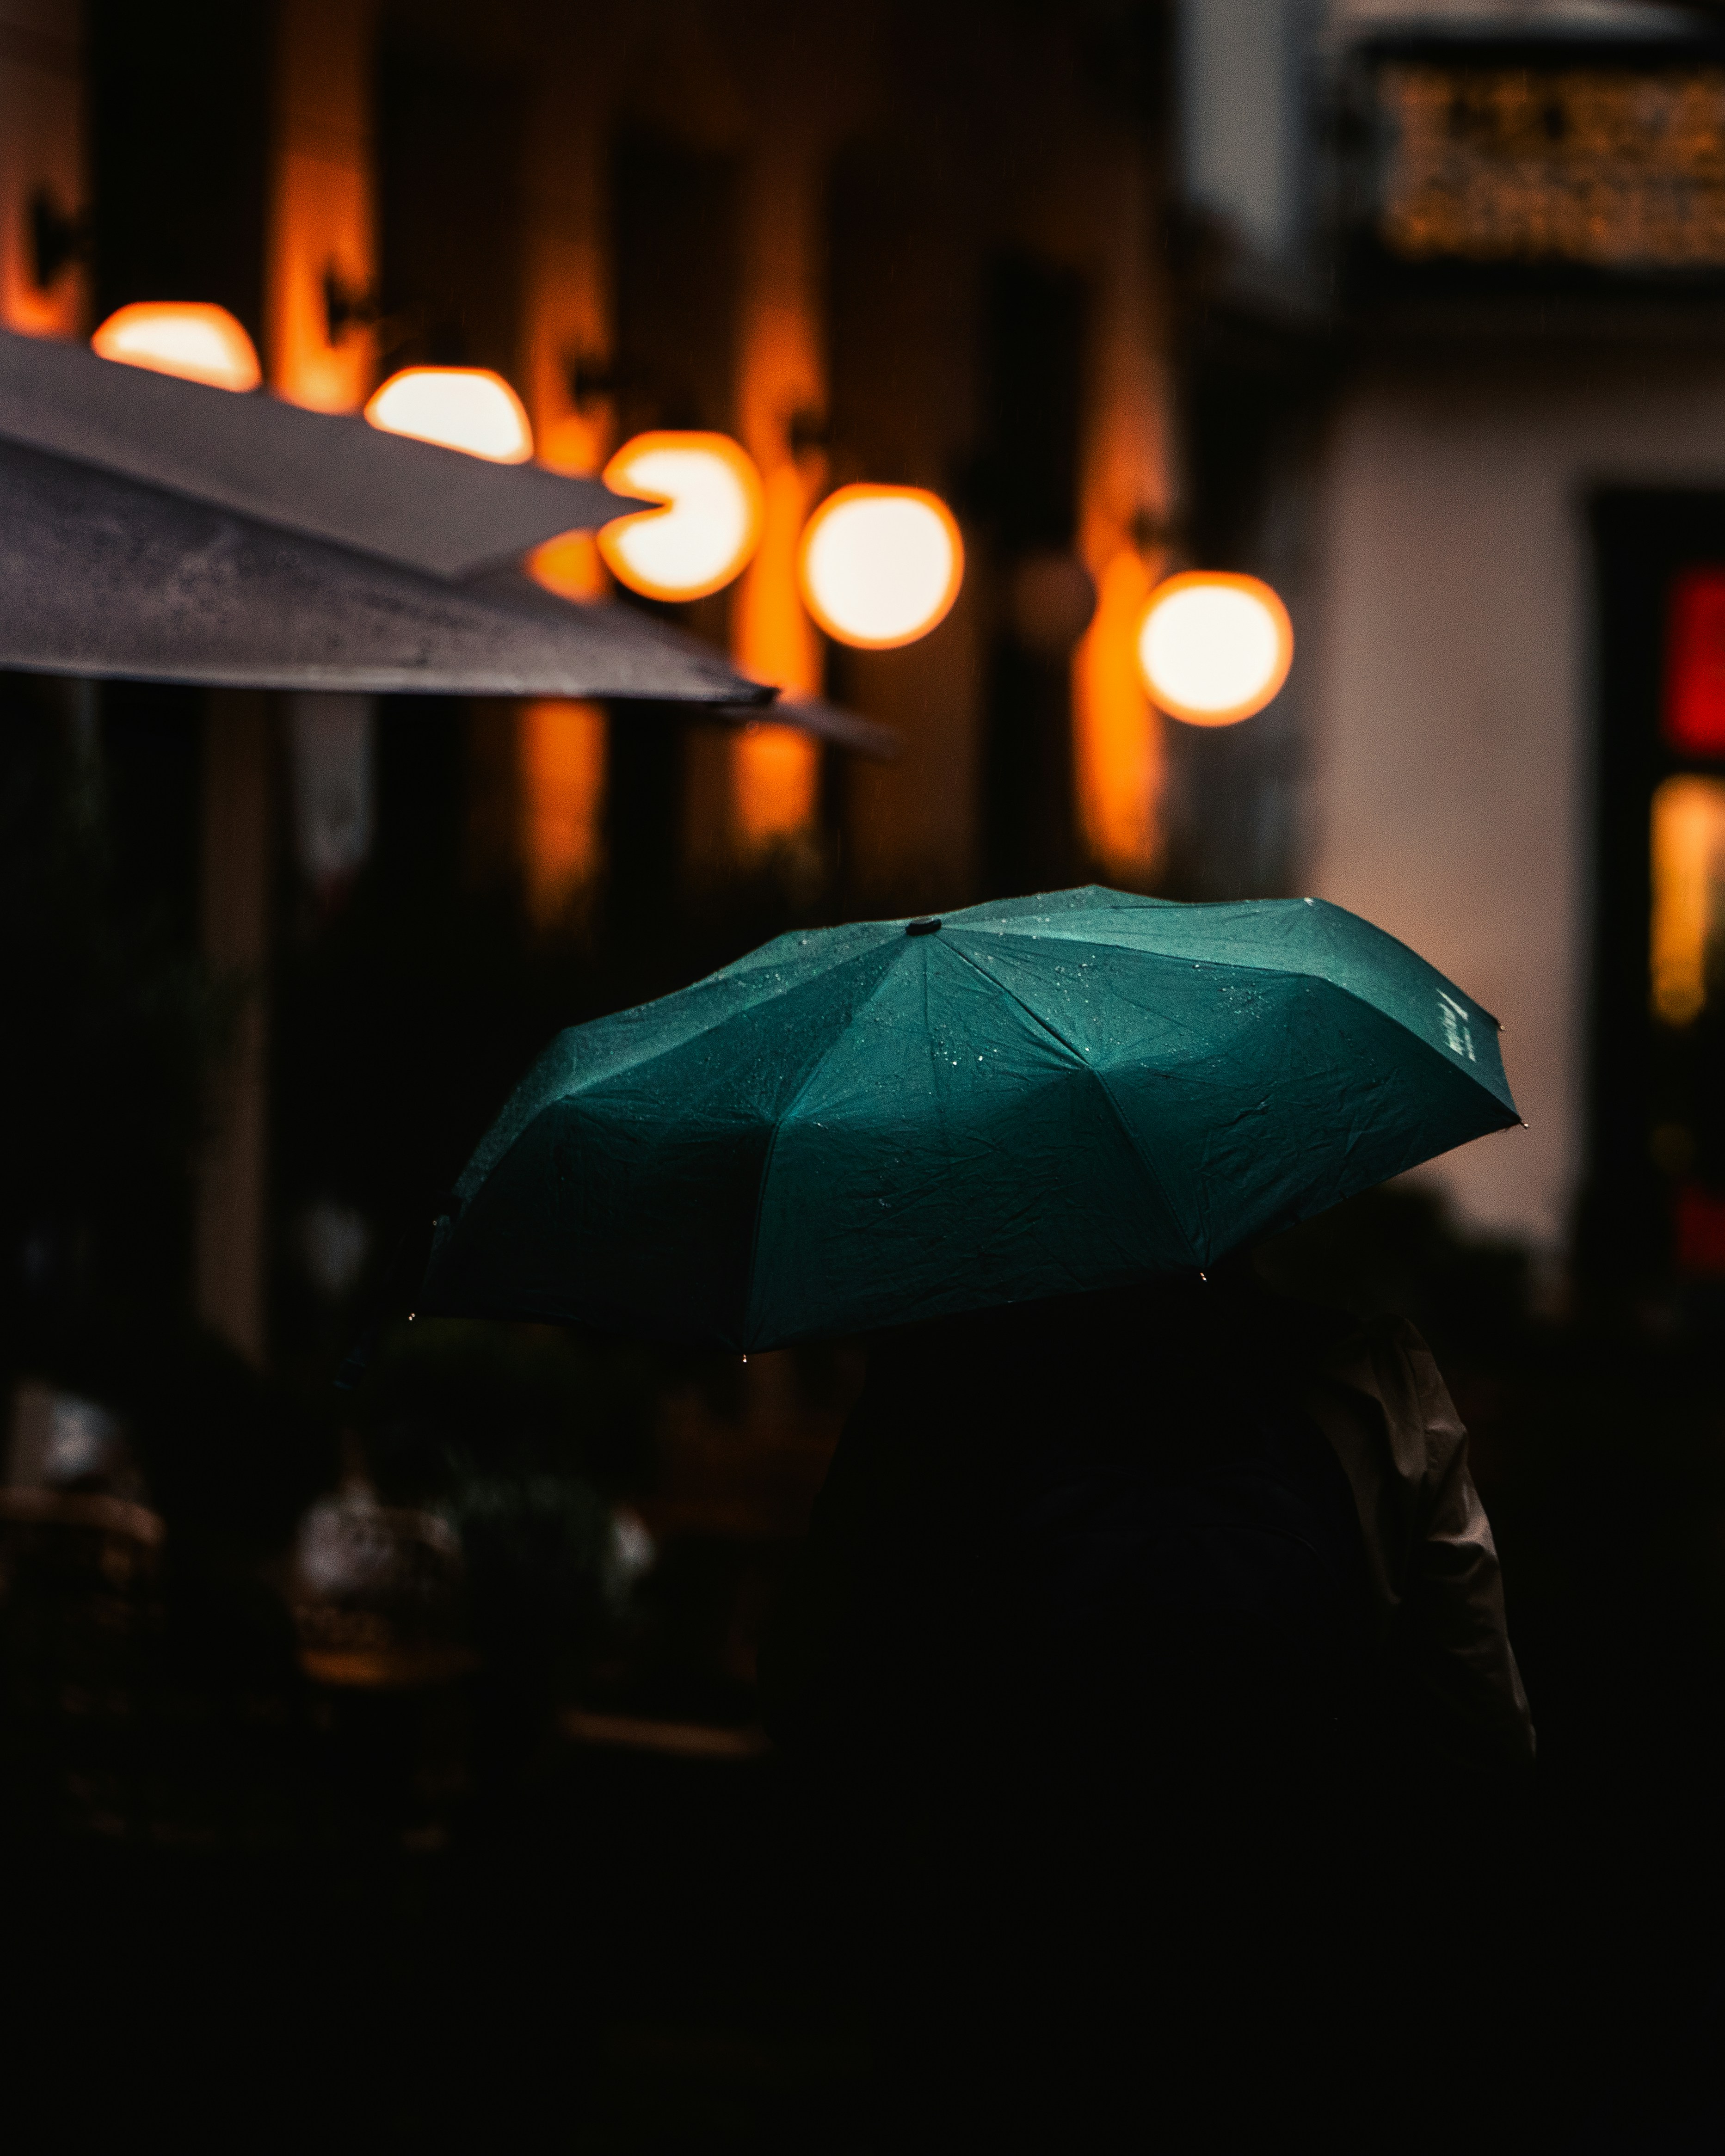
[1695, 664]
[1700, 1223]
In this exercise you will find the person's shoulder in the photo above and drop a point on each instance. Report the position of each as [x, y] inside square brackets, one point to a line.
[1370, 1349]
[1384, 1366]
[1334, 1340]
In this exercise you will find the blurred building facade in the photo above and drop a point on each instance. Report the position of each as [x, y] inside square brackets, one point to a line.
[904, 246]
[1414, 315]
[1484, 245]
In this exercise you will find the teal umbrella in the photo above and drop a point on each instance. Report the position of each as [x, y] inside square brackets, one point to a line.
[866, 1126]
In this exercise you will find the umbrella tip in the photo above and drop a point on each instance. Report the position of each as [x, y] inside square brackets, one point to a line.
[926, 926]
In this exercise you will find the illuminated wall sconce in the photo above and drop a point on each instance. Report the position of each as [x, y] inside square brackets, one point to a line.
[1215, 648]
[189, 338]
[459, 408]
[881, 566]
[710, 523]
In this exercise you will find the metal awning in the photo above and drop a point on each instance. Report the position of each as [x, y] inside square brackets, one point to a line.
[324, 476]
[102, 575]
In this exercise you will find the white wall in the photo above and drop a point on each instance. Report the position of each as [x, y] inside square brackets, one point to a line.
[1449, 798]
[1243, 122]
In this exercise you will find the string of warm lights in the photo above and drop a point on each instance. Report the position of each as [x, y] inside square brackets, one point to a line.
[1213, 648]
[459, 408]
[878, 567]
[711, 524]
[881, 566]
[198, 342]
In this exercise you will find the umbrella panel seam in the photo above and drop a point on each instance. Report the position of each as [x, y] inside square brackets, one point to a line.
[1085, 1064]
[1445, 1058]
[583, 1082]
[783, 1117]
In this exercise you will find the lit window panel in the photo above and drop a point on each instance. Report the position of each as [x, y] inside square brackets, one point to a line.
[1688, 928]
[1698, 1222]
[1613, 165]
[1694, 701]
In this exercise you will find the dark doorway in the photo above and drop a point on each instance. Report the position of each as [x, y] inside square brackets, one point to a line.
[1035, 321]
[675, 233]
[179, 136]
[450, 217]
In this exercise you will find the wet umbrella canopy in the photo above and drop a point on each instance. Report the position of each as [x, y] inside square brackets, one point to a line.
[867, 1125]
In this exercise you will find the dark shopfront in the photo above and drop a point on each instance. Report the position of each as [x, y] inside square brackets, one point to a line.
[1657, 1211]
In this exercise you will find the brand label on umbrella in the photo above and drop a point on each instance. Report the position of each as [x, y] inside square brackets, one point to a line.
[1458, 1030]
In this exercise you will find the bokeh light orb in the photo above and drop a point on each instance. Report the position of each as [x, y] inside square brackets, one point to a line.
[188, 338]
[1215, 648]
[881, 566]
[710, 523]
[457, 407]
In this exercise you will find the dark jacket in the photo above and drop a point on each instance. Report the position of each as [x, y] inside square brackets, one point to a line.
[1060, 1502]
[1437, 1591]
[1106, 1648]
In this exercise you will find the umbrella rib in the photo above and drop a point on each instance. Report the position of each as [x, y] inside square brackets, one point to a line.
[572, 1085]
[771, 995]
[1084, 1065]
[784, 1116]
[1307, 973]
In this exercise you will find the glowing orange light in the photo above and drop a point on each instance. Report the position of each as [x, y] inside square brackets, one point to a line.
[563, 755]
[710, 523]
[1688, 852]
[1215, 648]
[570, 566]
[199, 343]
[776, 770]
[1117, 735]
[881, 566]
[459, 408]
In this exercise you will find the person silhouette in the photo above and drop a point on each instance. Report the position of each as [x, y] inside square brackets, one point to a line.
[1130, 1631]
